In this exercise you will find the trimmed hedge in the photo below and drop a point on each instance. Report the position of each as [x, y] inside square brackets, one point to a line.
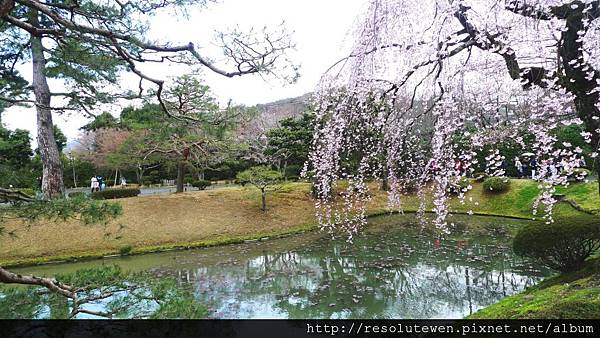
[201, 184]
[115, 193]
[76, 194]
[496, 184]
[563, 245]
[480, 176]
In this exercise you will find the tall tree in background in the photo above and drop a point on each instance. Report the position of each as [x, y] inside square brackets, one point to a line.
[196, 133]
[59, 138]
[197, 128]
[15, 158]
[15, 147]
[88, 43]
[289, 143]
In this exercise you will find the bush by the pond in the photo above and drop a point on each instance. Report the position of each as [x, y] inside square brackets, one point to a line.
[496, 184]
[458, 185]
[563, 245]
[125, 250]
[146, 297]
[115, 193]
[201, 184]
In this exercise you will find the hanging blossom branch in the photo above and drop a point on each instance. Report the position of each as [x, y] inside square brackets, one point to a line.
[420, 75]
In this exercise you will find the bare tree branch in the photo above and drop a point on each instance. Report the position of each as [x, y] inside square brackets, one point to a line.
[51, 284]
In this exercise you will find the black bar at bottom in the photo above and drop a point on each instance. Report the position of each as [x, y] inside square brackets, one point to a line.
[298, 328]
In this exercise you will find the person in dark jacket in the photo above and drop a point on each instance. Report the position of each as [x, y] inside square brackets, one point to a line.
[533, 167]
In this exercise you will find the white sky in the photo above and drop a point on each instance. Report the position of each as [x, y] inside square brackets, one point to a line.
[320, 30]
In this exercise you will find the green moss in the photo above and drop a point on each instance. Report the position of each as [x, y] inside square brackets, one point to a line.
[584, 194]
[569, 295]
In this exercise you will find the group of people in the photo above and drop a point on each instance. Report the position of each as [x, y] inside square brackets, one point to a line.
[97, 183]
[529, 166]
[526, 168]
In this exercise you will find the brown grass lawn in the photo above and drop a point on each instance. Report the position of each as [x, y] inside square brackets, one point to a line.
[167, 219]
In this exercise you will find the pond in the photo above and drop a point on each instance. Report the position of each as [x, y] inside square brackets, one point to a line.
[393, 269]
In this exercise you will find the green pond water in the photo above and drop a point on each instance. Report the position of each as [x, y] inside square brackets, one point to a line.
[393, 269]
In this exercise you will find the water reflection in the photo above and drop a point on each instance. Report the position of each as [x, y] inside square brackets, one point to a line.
[402, 274]
[390, 271]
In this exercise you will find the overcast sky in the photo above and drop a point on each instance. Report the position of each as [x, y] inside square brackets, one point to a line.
[320, 31]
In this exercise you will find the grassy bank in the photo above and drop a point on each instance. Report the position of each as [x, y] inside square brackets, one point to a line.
[574, 295]
[233, 215]
[163, 222]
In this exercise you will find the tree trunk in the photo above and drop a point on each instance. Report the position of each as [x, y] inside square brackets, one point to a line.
[139, 173]
[384, 178]
[73, 170]
[52, 177]
[577, 80]
[278, 165]
[598, 173]
[264, 199]
[180, 174]
[201, 175]
[384, 184]
[6, 6]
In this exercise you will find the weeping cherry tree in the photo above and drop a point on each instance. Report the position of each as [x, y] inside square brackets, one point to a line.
[422, 72]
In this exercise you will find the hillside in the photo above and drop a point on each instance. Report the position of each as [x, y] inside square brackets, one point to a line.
[288, 107]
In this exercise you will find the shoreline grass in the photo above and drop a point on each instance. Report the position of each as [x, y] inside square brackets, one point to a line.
[574, 295]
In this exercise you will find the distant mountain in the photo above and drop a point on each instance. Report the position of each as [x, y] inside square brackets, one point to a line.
[290, 107]
[253, 132]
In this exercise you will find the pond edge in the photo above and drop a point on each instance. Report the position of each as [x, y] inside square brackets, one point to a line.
[259, 236]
